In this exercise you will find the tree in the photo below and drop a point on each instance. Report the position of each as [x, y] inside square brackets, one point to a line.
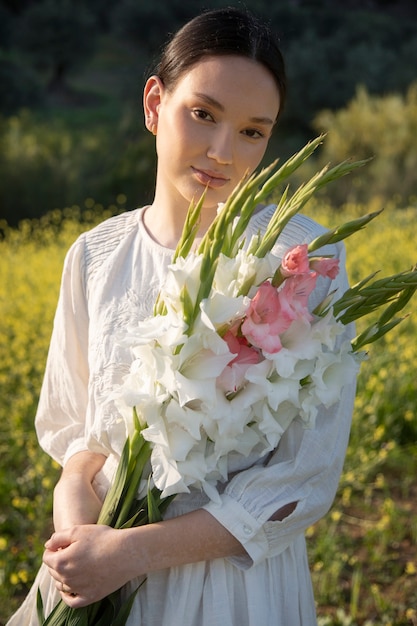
[19, 87]
[57, 35]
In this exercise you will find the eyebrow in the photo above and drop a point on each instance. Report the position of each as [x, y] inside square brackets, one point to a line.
[220, 107]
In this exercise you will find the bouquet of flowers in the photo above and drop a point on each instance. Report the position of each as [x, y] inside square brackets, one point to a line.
[232, 355]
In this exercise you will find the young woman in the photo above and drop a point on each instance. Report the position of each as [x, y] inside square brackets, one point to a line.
[212, 104]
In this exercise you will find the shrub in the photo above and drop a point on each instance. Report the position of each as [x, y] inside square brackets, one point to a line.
[45, 165]
[381, 127]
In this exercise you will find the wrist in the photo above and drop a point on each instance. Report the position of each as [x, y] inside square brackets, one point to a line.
[133, 551]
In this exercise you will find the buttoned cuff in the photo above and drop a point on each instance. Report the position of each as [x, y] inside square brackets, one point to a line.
[247, 530]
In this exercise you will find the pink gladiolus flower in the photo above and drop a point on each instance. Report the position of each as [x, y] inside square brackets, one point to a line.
[294, 295]
[245, 354]
[233, 376]
[295, 261]
[325, 267]
[265, 320]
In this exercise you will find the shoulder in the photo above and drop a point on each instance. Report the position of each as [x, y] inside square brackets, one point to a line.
[93, 247]
[106, 236]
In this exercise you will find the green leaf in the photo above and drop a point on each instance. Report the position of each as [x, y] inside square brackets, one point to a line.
[187, 305]
[130, 493]
[154, 514]
[373, 333]
[288, 168]
[338, 233]
[190, 229]
[105, 610]
[39, 607]
[111, 504]
[137, 519]
[397, 305]
[122, 493]
[293, 204]
[366, 297]
[78, 617]
[324, 306]
[58, 616]
[123, 614]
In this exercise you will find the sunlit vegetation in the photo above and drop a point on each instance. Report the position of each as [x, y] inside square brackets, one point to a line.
[363, 554]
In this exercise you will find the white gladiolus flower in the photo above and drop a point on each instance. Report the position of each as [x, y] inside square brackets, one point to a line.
[185, 272]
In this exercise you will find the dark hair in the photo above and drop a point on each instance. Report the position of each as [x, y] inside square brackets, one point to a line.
[227, 31]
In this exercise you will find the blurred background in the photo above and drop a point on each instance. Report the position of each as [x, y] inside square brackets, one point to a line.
[72, 72]
[73, 151]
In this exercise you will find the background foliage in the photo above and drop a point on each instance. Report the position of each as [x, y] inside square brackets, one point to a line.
[71, 76]
[71, 135]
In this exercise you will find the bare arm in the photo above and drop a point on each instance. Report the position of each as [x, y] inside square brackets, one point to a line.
[75, 501]
[196, 536]
[93, 561]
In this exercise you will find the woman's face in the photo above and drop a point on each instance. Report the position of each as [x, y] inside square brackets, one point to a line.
[213, 127]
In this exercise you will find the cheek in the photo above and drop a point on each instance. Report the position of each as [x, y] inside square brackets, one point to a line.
[183, 135]
[251, 156]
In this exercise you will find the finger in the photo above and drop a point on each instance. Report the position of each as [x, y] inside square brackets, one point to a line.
[75, 601]
[51, 561]
[57, 567]
[58, 541]
[63, 588]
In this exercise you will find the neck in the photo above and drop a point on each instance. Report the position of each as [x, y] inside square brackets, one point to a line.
[162, 227]
[164, 220]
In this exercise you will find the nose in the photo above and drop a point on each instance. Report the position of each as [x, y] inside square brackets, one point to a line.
[221, 146]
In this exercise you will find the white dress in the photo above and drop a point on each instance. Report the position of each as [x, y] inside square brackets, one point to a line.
[111, 277]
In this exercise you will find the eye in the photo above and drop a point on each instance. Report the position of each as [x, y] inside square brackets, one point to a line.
[254, 133]
[201, 114]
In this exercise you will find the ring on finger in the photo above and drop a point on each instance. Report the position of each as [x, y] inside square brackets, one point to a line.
[65, 589]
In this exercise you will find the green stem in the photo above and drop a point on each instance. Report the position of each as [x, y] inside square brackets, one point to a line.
[133, 485]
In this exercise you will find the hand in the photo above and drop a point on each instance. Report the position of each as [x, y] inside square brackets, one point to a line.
[88, 562]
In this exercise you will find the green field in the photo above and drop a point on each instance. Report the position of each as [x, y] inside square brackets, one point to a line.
[363, 554]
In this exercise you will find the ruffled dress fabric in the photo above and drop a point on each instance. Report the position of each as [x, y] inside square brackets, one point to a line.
[111, 278]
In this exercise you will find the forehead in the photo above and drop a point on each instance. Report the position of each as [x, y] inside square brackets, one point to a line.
[232, 78]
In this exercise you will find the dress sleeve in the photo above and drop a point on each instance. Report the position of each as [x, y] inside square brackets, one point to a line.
[60, 418]
[305, 470]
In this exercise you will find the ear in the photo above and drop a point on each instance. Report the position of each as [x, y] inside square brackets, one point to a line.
[152, 97]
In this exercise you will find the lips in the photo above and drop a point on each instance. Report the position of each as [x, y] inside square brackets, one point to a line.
[208, 178]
